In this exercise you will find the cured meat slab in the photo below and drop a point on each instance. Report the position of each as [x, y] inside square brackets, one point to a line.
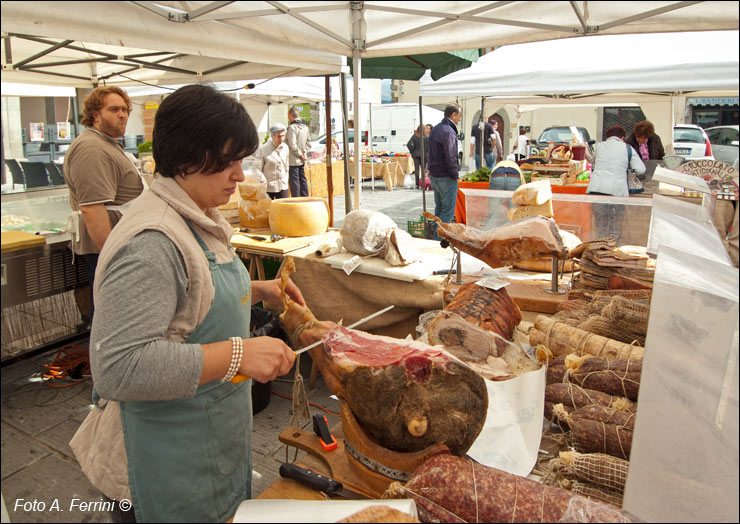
[406, 395]
[520, 240]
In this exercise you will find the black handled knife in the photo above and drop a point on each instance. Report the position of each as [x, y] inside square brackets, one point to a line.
[317, 482]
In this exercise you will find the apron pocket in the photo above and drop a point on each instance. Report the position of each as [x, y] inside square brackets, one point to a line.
[229, 418]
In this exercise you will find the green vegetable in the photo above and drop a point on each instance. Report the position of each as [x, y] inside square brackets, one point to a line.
[144, 147]
[481, 175]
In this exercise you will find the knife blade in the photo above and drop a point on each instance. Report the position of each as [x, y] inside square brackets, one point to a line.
[329, 486]
[354, 325]
[241, 378]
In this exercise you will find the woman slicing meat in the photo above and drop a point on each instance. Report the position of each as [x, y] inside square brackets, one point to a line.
[171, 328]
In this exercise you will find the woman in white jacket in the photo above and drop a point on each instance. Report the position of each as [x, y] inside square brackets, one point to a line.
[612, 158]
[274, 157]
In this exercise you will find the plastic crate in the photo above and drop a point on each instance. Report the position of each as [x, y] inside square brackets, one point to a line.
[416, 228]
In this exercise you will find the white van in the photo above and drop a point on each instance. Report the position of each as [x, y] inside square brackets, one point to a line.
[393, 124]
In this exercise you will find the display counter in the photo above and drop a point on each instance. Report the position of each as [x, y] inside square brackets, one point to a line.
[586, 216]
[39, 306]
[460, 209]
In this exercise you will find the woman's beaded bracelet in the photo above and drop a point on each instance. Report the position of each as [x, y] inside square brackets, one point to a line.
[236, 358]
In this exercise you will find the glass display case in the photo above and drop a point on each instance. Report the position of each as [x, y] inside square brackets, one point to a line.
[40, 283]
[587, 216]
[35, 210]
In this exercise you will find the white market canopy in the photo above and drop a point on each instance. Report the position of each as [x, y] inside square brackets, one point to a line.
[80, 44]
[650, 63]
[383, 28]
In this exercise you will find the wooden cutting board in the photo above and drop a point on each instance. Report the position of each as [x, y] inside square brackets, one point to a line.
[13, 240]
[279, 247]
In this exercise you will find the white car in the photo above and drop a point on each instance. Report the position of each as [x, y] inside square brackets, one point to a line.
[724, 140]
[318, 146]
[691, 142]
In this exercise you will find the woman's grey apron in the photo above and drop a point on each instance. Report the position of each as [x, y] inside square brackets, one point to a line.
[189, 460]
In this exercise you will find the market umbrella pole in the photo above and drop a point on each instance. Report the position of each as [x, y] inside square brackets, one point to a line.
[345, 144]
[329, 146]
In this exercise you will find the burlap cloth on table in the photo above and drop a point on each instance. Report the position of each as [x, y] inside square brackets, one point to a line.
[333, 295]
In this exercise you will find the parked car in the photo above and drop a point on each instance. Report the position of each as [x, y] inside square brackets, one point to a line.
[560, 135]
[691, 142]
[724, 140]
[319, 145]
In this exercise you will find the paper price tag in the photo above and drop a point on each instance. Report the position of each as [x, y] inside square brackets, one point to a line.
[353, 263]
[492, 283]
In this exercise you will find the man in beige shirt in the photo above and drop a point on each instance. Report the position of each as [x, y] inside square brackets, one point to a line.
[100, 175]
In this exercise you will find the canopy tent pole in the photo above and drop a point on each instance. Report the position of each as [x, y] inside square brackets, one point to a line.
[357, 75]
[268, 116]
[482, 134]
[345, 144]
[372, 152]
[329, 146]
[422, 168]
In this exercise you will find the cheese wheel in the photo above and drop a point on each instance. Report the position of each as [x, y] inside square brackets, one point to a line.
[532, 194]
[519, 212]
[299, 216]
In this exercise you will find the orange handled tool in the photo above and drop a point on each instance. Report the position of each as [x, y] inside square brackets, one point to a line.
[241, 378]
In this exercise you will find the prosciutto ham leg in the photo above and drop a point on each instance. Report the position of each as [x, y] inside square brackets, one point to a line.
[406, 395]
[519, 240]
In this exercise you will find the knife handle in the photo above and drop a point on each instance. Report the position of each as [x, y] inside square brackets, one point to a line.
[310, 479]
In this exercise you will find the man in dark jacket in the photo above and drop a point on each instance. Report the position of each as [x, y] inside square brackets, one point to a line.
[443, 167]
[488, 131]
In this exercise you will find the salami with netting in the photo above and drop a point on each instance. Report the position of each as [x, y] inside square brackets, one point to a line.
[455, 489]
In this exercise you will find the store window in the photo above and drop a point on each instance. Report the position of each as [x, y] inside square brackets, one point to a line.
[713, 111]
[626, 117]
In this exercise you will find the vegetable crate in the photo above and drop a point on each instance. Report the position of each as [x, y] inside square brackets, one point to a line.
[416, 228]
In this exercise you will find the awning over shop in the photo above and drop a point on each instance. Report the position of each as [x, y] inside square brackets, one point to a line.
[713, 101]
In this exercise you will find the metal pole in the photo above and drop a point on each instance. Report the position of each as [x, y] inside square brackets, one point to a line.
[372, 152]
[345, 144]
[481, 135]
[422, 168]
[357, 65]
[555, 289]
[329, 146]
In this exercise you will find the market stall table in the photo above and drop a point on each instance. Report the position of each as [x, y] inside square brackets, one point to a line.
[390, 172]
[316, 178]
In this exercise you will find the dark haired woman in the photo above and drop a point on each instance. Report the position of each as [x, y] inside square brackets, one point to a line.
[171, 329]
[644, 140]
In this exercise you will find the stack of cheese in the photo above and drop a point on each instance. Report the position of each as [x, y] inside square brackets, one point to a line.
[533, 199]
[254, 207]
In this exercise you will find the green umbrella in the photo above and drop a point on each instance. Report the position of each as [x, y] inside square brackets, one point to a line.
[413, 67]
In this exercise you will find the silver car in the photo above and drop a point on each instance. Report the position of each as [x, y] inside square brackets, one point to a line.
[691, 142]
[724, 140]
